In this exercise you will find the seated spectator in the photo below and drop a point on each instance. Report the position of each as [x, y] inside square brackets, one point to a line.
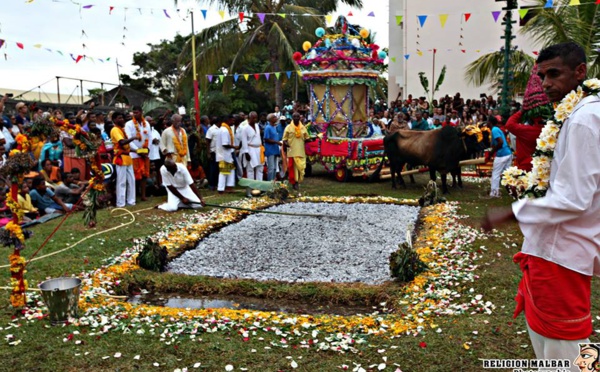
[69, 191]
[76, 173]
[44, 199]
[5, 215]
[25, 204]
[51, 173]
[52, 150]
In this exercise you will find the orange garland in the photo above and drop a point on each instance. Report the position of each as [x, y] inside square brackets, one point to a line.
[181, 149]
[138, 132]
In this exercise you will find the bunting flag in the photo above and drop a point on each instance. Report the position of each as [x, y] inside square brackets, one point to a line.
[289, 74]
[350, 14]
[267, 75]
[256, 76]
[40, 45]
[20, 45]
[221, 77]
[210, 78]
[496, 15]
[372, 14]
[166, 14]
[110, 9]
[523, 13]
[422, 19]
[282, 15]
[393, 59]
[443, 19]
[1, 43]
[574, 2]
[241, 15]
[549, 4]
[222, 14]
[399, 20]
[299, 73]
[467, 16]
[246, 76]
[419, 53]
[277, 75]
[87, 6]
[261, 16]
[203, 11]
[328, 18]
[236, 77]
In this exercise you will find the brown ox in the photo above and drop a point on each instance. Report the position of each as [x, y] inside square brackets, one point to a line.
[440, 150]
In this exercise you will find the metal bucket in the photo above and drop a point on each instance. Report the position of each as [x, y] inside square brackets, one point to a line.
[61, 295]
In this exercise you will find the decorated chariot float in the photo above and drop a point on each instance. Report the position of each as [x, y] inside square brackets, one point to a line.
[341, 70]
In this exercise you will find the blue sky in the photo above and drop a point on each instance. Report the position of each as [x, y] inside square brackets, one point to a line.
[58, 25]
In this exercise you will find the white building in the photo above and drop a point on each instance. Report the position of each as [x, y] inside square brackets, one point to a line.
[469, 31]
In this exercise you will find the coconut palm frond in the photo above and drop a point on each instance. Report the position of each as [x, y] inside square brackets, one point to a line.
[424, 82]
[150, 105]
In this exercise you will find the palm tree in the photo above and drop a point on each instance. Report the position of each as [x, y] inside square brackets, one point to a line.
[580, 24]
[223, 47]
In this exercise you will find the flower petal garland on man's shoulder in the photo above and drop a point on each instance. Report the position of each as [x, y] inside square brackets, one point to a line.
[535, 184]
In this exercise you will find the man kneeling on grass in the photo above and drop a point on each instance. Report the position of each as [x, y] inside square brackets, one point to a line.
[181, 191]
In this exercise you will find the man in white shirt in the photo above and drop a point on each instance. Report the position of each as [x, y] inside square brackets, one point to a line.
[224, 156]
[561, 250]
[213, 169]
[174, 143]
[181, 191]
[251, 148]
[240, 124]
[139, 129]
[154, 152]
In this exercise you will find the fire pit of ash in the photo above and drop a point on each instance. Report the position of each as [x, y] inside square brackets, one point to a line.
[297, 249]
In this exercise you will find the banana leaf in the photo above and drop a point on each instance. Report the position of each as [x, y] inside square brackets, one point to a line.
[258, 185]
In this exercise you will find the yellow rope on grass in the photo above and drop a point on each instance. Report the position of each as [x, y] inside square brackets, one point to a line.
[89, 236]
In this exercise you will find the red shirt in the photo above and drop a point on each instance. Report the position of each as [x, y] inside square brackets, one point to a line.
[527, 136]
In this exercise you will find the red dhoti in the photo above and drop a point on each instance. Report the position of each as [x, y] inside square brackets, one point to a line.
[556, 300]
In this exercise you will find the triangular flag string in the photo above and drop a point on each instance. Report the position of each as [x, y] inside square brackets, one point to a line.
[467, 16]
[496, 15]
[443, 19]
[523, 13]
[399, 20]
[422, 19]
[261, 16]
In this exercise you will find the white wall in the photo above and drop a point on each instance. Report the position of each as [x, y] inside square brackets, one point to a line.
[481, 35]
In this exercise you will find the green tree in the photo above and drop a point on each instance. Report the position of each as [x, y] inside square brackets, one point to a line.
[548, 26]
[225, 47]
[158, 71]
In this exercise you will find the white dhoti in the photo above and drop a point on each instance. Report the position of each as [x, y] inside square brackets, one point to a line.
[174, 203]
[500, 165]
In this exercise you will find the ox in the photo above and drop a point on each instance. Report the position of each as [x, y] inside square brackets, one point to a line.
[440, 150]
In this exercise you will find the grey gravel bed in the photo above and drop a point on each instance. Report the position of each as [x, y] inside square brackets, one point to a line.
[303, 249]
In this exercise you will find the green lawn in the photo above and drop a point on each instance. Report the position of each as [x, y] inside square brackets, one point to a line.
[464, 339]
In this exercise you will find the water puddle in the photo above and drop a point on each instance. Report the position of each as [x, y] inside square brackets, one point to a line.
[240, 302]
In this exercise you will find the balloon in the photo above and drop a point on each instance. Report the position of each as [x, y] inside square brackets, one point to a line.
[306, 46]
[320, 32]
[382, 55]
[297, 56]
[355, 43]
[364, 33]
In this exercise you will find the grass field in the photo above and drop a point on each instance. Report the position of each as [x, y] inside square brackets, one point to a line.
[462, 342]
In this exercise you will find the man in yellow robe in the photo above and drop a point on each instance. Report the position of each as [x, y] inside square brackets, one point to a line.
[294, 138]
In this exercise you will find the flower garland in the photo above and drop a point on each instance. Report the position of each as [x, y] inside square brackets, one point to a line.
[181, 148]
[138, 131]
[19, 285]
[535, 184]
